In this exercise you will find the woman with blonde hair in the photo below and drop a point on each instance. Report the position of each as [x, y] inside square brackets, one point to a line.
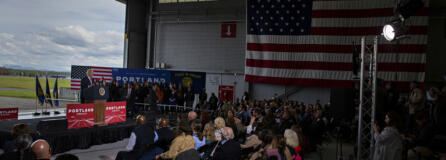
[184, 142]
[219, 123]
[209, 132]
[211, 141]
[292, 142]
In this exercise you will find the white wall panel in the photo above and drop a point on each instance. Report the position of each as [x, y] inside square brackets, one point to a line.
[213, 80]
[199, 46]
[311, 95]
[306, 94]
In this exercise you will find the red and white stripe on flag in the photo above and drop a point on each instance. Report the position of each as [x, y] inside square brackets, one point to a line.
[102, 73]
[323, 57]
[77, 72]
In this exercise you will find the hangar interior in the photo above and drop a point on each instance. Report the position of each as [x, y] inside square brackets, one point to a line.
[186, 35]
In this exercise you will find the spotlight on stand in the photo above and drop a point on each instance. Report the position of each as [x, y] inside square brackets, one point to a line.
[396, 29]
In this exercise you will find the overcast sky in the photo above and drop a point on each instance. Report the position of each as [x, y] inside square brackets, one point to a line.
[55, 34]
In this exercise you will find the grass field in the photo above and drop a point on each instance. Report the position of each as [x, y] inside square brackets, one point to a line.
[27, 83]
[18, 94]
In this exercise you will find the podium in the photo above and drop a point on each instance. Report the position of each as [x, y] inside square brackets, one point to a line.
[98, 95]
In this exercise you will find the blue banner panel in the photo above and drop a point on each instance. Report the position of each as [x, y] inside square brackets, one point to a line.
[196, 79]
[129, 75]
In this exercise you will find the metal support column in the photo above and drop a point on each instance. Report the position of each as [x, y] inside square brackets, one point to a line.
[365, 142]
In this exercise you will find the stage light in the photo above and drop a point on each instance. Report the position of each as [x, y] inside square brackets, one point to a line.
[389, 32]
[394, 30]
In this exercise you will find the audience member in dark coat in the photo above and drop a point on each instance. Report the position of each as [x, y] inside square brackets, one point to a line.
[180, 96]
[190, 154]
[203, 96]
[213, 100]
[167, 94]
[22, 152]
[286, 122]
[227, 148]
[86, 82]
[420, 143]
[153, 98]
[165, 135]
[189, 97]
[17, 130]
[140, 140]
[116, 92]
[317, 129]
[139, 94]
[129, 94]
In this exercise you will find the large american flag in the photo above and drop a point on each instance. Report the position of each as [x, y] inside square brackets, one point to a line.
[309, 43]
[79, 72]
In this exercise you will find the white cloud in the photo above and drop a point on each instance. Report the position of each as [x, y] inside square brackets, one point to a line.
[60, 47]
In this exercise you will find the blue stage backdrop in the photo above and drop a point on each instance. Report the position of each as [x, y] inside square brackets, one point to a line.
[196, 79]
[129, 75]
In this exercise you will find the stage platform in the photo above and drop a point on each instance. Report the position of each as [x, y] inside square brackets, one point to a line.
[53, 129]
[30, 115]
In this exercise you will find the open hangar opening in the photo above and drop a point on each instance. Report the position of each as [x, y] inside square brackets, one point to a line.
[187, 35]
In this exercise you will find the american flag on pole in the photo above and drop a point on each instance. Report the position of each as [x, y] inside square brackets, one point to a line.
[309, 42]
[79, 72]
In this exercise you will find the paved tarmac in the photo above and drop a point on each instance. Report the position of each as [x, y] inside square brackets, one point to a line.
[28, 105]
[16, 89]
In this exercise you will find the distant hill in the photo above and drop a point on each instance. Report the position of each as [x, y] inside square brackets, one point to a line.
[29, 72]
[18, 67]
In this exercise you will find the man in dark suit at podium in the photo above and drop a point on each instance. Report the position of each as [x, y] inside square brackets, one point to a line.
[86, 82]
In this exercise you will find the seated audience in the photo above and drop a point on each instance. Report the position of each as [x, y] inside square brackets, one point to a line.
[190, 154]
[252, 141]
[165, 134]
[165, 138]
[227, 148]
[292, 142]
[282, 129]
[183, 142]
[41, 150]
[252, 145]
[211, 141]
[22, 149]
[219, 123]
[191, 116]
[205, 117]
[17, 130]
[200, 139]
[419, 143]
[255, 121]
[278, 149]
[140, 140]
[316, 129]
[388, 143]
[209, 133]
[67, 157]
[230, 121]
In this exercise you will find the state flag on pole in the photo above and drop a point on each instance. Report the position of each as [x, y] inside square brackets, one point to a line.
[48, 93]
[39, 92]
[56, 94]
